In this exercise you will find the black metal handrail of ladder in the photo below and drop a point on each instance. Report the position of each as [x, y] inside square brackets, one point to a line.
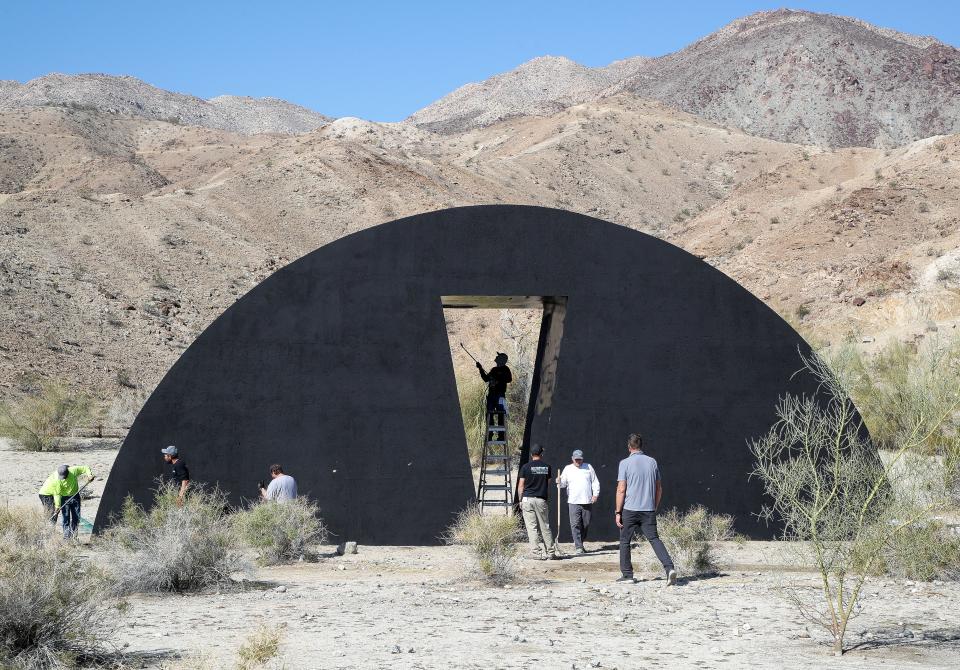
[495, 487]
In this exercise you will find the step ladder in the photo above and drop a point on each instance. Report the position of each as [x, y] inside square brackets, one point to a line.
[495, 488]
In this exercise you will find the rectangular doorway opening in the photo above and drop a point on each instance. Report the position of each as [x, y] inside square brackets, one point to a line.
[528, 329]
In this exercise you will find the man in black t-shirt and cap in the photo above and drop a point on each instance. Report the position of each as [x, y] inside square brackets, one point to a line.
[533, 488]
[177, 473]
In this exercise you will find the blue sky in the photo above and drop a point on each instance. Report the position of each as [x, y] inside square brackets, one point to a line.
[376, 60]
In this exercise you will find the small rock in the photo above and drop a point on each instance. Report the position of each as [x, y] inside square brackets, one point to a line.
[410, 650]
[281, 589]
[345, 548]
[747, 626]
[583, 580]
[341, 567]
[396, 649]
[595, 664]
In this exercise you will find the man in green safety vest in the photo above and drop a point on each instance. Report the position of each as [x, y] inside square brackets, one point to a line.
[60, 494]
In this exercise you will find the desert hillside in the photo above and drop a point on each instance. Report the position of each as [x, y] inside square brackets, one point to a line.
[122, 236]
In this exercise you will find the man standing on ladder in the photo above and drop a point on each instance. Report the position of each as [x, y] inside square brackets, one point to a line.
[497, 380]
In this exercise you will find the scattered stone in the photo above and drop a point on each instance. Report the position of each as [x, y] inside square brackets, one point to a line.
[281, 589]
[345, 548]
[396, 649]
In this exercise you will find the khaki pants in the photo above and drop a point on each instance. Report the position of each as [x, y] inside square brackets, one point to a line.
[536, 517]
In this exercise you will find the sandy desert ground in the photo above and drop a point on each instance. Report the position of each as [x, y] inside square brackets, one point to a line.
[417, 607]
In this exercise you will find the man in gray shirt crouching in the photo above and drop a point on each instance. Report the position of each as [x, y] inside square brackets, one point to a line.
[281, 487]
[638, 496]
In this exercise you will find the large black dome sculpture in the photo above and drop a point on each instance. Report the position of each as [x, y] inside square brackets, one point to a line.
[338, 367]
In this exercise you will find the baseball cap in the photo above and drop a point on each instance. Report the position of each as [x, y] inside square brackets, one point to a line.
[536, 450]
[578, 454]
[169, 451]
[63, 471]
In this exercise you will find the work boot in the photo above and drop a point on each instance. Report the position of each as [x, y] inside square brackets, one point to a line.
[671, 578]
[626, 580]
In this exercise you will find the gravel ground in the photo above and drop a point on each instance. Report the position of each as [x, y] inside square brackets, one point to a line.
[411, 607]
[371, 609]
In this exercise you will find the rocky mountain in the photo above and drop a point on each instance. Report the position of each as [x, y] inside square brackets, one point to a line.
[133, 97]
[539, 87]
[792, 76]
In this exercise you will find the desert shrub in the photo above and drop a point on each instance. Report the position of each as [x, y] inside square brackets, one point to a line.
[923, 551]
[281, 531]
[22, 528]
[52, 614]
[259, 648]
[492, 539]
[904, 393]
[689, 537]
[473, 408]
[841, 505]
[39, 421]
[173, 547]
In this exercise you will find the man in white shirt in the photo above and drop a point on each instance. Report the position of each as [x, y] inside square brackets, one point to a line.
[583, 487]
[282, 488]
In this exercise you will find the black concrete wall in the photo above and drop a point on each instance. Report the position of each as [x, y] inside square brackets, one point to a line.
[338, 367]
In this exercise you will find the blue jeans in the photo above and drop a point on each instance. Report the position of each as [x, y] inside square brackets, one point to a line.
[70, 513]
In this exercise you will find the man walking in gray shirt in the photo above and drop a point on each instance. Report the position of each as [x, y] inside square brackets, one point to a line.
[281, 488]
[638, 496]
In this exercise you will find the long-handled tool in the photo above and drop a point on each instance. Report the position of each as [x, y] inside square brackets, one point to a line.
[64, 502]
[468, 353]
[556, 541]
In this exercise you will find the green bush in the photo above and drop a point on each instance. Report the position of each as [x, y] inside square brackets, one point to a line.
[473, 410]
[492, 539]
[688, 537]
[281, 531]
[173, 547]
[904, 394]
[38, 422]
[923, 551]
